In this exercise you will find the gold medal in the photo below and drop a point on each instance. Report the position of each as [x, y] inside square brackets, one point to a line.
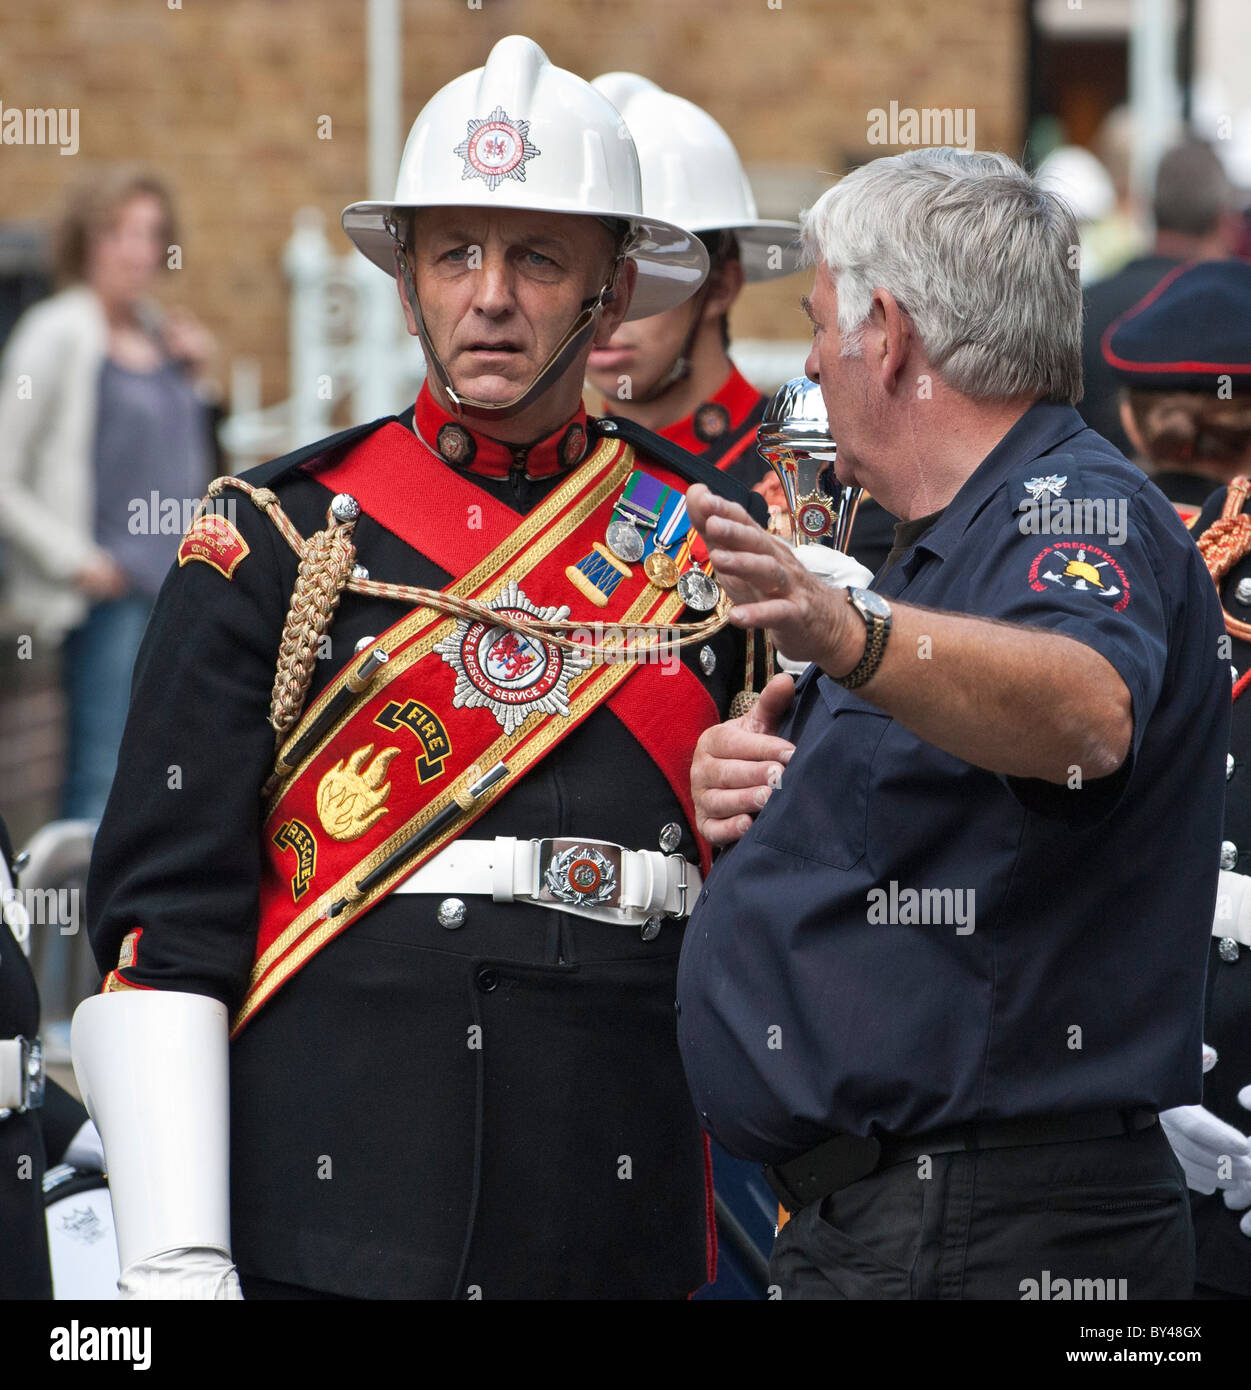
[661, 569]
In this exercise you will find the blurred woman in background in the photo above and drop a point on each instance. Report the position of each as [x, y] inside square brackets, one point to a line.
[106, 411]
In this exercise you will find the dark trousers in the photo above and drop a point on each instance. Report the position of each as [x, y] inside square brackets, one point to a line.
[1001, 1224]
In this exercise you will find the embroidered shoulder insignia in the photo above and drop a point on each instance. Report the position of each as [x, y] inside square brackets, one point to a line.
[1084, 568]
[215, 540]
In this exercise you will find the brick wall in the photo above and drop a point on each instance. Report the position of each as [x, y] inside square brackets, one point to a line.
[224, 96]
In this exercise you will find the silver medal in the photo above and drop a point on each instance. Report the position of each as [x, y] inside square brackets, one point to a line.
[625, 541]
[699, 591]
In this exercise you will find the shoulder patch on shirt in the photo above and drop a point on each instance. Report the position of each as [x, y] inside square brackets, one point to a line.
[1082, 568]
[214, 539]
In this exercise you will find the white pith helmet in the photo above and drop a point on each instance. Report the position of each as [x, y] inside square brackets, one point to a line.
[523, 133]
[692, 174]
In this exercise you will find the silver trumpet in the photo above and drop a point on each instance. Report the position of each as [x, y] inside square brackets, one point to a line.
[794, 436]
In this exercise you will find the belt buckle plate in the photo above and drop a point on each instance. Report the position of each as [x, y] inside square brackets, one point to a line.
[580, 873]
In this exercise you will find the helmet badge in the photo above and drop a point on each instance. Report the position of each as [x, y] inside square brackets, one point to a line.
[495, 149]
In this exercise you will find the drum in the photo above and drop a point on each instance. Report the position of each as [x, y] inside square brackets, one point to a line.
[82, 1245]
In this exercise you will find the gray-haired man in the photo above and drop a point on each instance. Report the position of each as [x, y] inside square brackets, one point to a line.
[953, 965]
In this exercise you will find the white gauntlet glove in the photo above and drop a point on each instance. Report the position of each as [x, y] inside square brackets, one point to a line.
[153, 1068]
[836, 569]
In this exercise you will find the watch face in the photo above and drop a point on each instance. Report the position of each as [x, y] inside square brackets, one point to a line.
[873, 603]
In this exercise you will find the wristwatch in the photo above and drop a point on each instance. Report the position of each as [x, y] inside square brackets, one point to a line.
[875, 611]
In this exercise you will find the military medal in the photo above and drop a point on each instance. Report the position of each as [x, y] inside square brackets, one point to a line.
[661, 569]
[699, 590]
[642, 499]
[674, 522]
[624, 541]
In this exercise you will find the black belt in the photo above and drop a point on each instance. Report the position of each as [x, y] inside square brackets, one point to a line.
[847, 1158]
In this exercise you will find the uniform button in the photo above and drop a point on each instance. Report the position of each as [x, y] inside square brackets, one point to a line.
[451, 913]
[359, 572]
[1229, 766]
[1227, 949]
[707, 660]
[670, 836]
[1233, 674]
[650, 929]
[1243, 592]
[363, 643]
[1229, 855]
[344, 507]
[487, 980]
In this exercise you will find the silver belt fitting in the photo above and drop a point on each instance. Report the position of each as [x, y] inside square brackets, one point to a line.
[589, 878]
[21, 1075]
[588, 873]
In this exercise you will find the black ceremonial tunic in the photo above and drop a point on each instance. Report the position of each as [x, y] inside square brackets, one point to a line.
[374, 1151]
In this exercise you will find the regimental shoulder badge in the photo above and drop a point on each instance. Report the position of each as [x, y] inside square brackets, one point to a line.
[214, 539]
[1083, 568]
[511, 675]
[496, 148]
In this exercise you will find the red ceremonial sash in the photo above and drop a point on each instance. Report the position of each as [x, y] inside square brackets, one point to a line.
[457, 693]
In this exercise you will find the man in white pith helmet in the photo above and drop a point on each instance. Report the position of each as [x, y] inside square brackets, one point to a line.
[435, 902]
[672, 372]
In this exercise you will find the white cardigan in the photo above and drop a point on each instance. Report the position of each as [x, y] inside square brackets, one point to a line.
[49, 377]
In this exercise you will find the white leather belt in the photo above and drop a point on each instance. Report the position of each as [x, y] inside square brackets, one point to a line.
[590, 878]
[21, 1075]
[1233, 907]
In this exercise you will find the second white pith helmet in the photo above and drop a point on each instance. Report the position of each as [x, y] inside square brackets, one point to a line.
[692, 174]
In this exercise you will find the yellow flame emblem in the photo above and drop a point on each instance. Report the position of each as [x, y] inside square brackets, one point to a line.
[351, 798]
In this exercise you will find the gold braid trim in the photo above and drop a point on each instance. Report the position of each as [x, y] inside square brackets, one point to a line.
[323, 571]
[635, 637]
[1227, 542]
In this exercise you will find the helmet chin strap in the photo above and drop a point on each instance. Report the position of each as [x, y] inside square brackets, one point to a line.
[680, 368]
[552, 370]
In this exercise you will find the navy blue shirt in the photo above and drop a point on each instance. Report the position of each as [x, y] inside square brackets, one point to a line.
[823, 989]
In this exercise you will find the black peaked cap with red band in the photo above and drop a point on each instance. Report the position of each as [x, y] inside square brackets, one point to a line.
[1192, 332]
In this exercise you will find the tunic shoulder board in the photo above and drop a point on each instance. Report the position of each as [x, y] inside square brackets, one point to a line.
[694, 470]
